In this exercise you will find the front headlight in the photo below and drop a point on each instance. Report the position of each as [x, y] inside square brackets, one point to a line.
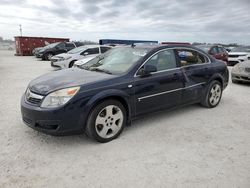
[59, 97]
[238, 68]
[66, 58]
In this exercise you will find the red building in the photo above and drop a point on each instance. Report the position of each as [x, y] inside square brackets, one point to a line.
[25, 45]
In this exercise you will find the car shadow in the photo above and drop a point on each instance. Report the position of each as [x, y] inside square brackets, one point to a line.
[83, 140]
[162, 116]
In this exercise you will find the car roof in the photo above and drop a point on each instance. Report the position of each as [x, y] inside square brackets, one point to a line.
[163, 46]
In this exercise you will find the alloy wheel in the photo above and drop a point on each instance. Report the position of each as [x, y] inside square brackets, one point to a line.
[109, 121]
[215, 94]
[49, 56]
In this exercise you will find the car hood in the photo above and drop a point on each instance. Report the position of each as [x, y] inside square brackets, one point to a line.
[61, 56]
[245, 64]
[64, 79]
[238, 53]
[84, 60]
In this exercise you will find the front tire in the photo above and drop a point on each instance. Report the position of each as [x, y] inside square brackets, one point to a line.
[48, 56]
[71, 64]
[106, 121]
[212, 95]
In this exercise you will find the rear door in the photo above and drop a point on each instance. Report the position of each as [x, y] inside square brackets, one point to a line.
[162, 89]
[60, 48]
[197, 70]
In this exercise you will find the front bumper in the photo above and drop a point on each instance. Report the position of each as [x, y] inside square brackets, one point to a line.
[53, 64]
[39, 55]
[62, 64]
[66, 120]
[235, 60]
[244, 77]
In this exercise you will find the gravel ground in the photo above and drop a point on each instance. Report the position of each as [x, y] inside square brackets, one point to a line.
[187, 147]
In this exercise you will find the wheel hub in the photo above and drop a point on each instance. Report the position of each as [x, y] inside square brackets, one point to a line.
[215, 94]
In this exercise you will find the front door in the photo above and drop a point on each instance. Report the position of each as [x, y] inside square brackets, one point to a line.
[163, 88]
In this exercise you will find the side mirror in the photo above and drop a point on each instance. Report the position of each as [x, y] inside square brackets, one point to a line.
[147, 70]
[86, 53]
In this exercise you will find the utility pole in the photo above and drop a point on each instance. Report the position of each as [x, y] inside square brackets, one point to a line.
[20, 26]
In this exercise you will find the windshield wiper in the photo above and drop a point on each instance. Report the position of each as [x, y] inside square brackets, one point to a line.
[100, 70]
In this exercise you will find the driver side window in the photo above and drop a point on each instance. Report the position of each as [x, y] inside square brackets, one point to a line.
[163, 60]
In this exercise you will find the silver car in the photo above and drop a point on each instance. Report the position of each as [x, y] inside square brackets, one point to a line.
[241, 72]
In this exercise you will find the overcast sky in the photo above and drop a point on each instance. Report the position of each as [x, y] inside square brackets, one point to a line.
[163, 20]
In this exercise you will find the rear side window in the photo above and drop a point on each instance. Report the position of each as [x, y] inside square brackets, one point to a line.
[91, 51]
[70, 45]
[191, 57]
[163, 60]
[104, 49]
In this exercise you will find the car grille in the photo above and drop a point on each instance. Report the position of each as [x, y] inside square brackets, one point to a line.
[27, 120]
[247, 69]
[245, 78]
[233, 55]
[33, 97]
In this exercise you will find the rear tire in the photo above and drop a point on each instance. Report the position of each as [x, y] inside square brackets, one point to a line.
[212, 94]
[106, 121]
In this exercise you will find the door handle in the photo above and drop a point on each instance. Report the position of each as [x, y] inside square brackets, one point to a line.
[175, 76]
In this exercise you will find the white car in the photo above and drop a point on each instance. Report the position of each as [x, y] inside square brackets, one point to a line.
[83, 61]
[238, 55]
[67, 60]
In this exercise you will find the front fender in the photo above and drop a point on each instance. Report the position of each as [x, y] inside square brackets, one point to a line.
[109, 93]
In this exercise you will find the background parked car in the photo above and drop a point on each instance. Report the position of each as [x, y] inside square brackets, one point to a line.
[67, 60]
[241, 72]
[238, 55]
[57, 48]
[217, 51]
[147, 79]
[82, 61]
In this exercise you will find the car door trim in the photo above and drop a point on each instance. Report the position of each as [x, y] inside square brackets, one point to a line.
[170, 91]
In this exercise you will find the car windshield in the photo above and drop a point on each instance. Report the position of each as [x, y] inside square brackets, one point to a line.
[51, 45]
[77, 50]
[116, 61]
[204, 48]
[241, 49]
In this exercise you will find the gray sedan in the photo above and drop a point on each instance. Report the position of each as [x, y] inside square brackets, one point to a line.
[241, 72]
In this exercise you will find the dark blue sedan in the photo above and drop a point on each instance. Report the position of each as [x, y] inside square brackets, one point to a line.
[106, 93]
